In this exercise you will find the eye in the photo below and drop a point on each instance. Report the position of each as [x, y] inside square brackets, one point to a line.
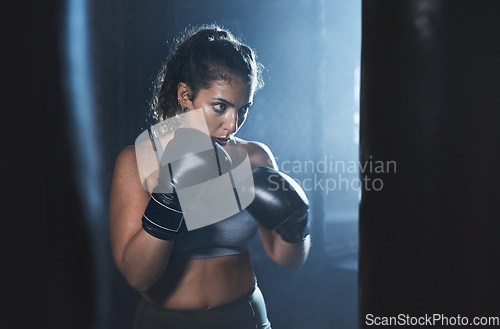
[220, 107]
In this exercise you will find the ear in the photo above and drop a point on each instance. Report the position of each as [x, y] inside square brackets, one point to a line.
[184, 96]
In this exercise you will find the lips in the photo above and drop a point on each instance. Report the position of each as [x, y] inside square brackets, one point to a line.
[221, 141]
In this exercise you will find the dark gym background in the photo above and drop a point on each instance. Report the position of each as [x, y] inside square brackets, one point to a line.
[76, 78]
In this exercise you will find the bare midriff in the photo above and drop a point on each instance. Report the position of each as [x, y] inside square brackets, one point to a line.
[203, 283]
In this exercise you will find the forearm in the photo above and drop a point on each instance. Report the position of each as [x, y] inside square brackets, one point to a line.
[288, 255]
[291, 255]
[144, 260]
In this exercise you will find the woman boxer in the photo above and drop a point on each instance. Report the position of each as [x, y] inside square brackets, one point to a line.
[203, 278]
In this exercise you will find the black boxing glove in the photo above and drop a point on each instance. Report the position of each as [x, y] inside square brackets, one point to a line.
[191, 165]
[163, 217]
[280, 204]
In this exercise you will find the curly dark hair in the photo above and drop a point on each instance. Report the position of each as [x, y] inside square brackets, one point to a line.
[201, 56]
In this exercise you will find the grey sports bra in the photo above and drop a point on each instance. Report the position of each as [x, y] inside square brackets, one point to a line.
[227, 237]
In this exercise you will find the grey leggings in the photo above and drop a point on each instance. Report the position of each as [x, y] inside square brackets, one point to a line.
[247, 312]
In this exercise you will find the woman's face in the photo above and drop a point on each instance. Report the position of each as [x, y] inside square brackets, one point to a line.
[225, 106]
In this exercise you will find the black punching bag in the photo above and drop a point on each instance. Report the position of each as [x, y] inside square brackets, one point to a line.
[430, 123]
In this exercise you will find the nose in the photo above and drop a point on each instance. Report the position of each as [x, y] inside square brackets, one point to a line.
[230, 121]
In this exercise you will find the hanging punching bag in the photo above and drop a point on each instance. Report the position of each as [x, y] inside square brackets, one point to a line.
[430, 139]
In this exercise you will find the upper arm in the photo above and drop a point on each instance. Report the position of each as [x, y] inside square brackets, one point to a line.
[127, 203]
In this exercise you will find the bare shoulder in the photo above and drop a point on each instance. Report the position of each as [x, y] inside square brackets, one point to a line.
[260, 154]
[126, 157]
